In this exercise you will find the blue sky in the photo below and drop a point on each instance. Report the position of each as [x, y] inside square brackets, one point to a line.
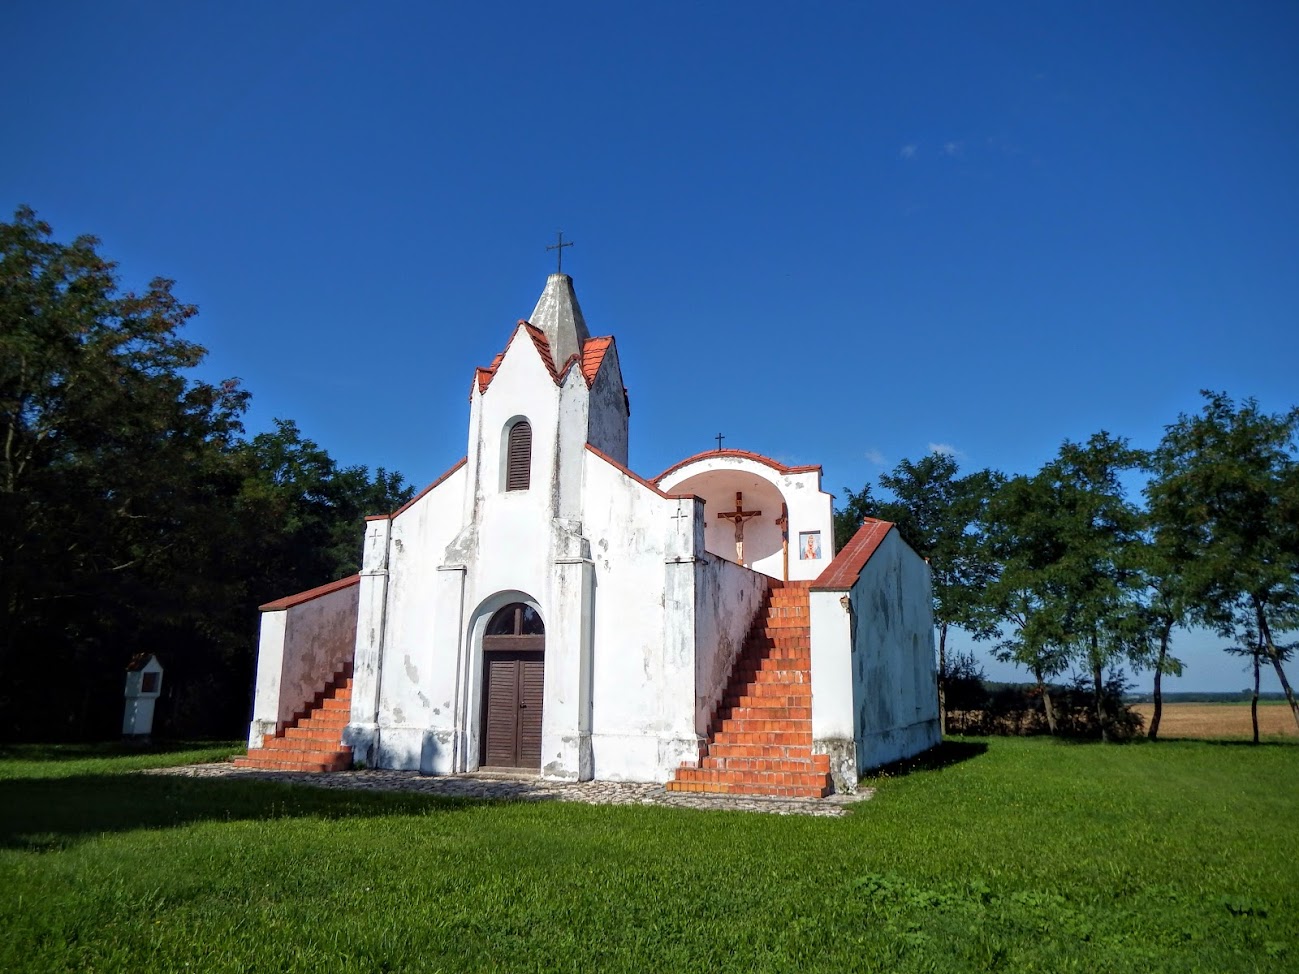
[837, 233]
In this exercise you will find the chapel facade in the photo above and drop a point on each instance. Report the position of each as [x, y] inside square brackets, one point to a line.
[542, 607]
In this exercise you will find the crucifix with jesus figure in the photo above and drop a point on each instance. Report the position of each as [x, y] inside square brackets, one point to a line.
[739, 516]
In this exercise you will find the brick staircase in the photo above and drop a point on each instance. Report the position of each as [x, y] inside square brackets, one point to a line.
[312, 740]
[760, 737]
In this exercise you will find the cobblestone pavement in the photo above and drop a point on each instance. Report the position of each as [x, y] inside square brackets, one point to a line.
[527, 788]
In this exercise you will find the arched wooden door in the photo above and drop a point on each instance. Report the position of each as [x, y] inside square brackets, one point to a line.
[513, 668]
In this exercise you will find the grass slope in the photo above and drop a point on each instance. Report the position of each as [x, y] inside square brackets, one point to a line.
[1010, 855]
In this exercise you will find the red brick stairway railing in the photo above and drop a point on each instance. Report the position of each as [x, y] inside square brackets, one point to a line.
[760, 737]
[312, 741]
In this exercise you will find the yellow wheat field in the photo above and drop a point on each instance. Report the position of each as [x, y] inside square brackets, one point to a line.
[1209, 720]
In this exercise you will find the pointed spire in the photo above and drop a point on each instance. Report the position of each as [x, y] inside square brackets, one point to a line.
[559, 316]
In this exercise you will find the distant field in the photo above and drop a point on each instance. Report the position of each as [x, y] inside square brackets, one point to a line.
[1209, 720]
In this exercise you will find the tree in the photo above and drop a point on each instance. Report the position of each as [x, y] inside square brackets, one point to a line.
[1067, 539]
[1226, 481]
[133, 515]
[849, 518]
[104, 447]
[939, 515]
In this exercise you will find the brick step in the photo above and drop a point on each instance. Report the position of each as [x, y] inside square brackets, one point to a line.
[747, 677]
[326, 718]
[767, 696]
[790, 673]
[769, 690]
[768, 738]
[816, 764]
[275, 761]
[772, 752]
[787, 779]
[308, 731]
[336, 703]
[749, 724]
[750, 719]
[299, 753]
[310, 745]
[782, 784]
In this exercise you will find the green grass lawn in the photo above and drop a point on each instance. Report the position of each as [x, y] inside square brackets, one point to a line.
[1010, 854]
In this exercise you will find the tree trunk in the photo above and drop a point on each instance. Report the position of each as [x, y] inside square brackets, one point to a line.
[1098, 687]
[1153, 733]
[1047, 707]
[1265, 637]
[942, 679]
[1253, 703]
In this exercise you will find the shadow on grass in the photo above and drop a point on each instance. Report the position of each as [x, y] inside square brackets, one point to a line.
[104, 749]
[45, 814]
[944, 755]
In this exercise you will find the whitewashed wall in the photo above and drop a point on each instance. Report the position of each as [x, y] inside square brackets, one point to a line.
[874, 680]
[895, 680]
[728, 598]
[642, 545]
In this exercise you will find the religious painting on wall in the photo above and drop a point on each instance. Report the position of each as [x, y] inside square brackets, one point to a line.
[809, 545]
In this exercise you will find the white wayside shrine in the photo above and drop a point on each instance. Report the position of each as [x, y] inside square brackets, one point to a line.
[542, 607]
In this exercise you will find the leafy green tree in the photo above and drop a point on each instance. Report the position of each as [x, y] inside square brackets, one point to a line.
[849, 518]
[1226, 481]
[1068, 542]
[940, 515]
[133, 515]
[104, 445]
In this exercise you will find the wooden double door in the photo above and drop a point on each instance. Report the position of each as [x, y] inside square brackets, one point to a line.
[513, 688]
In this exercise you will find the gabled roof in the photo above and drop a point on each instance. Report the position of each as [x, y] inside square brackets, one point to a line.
[737, 455]
[592, 357]
[841, 574]
[289, 601]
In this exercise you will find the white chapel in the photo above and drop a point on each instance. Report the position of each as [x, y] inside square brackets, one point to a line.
[540, 607]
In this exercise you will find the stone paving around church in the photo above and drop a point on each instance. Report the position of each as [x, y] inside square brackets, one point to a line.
[502, 787]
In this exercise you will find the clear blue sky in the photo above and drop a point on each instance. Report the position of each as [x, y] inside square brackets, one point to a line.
[838, 233]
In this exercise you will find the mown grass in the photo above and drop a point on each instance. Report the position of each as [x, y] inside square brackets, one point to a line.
[1004, 854]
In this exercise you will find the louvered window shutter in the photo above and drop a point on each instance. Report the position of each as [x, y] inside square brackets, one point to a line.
[518, 461]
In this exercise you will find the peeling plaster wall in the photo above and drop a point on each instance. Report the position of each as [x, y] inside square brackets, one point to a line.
[301, 648]
[642, 723]
[894, 673]
[418, 664]
[727, 600]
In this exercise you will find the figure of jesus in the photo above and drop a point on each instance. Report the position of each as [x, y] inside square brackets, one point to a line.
[739, 516]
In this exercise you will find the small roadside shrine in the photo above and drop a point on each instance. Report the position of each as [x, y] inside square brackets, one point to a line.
[143, 687]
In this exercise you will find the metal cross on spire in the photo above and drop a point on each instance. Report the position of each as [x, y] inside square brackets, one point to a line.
[719, 438]
[558, 246]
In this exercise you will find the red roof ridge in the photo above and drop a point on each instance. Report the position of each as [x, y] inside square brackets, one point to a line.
[289, 601]
[593, 350]
[843, 571]
[742, 455]
[640, 480]
[483, 375]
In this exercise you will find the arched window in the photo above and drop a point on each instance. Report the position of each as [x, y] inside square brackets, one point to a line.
[518, 457]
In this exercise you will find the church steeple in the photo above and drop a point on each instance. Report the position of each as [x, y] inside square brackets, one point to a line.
[559, 316]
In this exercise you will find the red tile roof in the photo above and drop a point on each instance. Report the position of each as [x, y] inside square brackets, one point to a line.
[289, 601]
[589, 362]
[593, 350]
[842, 573]
[739, 455]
